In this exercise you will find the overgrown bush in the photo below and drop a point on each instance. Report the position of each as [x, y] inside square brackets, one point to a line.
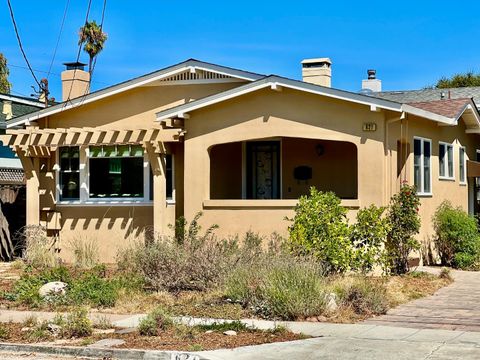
[457, 238]
[189, 261]
[85, 252]
[320, 228]
[38, 248]
[368, 236]
[155, 322]
[404, 224]
[364, 296]
[283, 287]
[91, 289]
[75, 324]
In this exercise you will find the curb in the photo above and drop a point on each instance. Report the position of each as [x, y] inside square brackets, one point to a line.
[102, 353]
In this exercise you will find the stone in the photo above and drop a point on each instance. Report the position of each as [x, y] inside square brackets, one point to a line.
[208, 331]
[54, 329]
[311, 319]
[125, 331]
[230, 333]
[107, 343]
[103, 331]
[53, 288]
[331, 302]
[25, 329]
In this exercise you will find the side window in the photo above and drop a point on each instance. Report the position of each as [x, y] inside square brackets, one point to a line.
[445, 161]
[169, 176]
[422, 165]
[69, 173]
[462, 165]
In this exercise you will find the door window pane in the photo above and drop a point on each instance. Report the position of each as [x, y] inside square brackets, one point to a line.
[441, 159]
[422, 165]
[263, 170]
[416, 164]
[462, 164]
[426, 166]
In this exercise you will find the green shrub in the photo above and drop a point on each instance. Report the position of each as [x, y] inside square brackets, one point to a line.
[155, 322]
[284, 287]
[224, 326]
[365, 297]
[320, 229]
[4, 332]
[90, 289]
[76, 324]
[457, 238]
[368, 236]
[404, 224]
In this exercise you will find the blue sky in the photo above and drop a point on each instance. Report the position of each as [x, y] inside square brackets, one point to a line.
[410, 43]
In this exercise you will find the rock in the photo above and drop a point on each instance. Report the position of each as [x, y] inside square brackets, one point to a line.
[322, 319]
[53, 288]
[54, 329]
[311, 319]
[125, 331]
[331, 302]
[103, 331]
[230, 333]
[106, 343]
[25, 329]
[208, 331]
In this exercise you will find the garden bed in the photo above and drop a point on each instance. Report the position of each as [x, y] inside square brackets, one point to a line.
[186, 339]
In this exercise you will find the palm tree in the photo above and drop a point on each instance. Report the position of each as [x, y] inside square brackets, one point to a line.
[94, 38]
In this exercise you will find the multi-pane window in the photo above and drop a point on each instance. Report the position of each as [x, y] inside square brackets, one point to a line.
[116, 171]
[69, 179]
[421, 165]
[445, 156]
[462, 165]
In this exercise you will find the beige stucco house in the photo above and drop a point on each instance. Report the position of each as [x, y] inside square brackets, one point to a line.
[240, 147]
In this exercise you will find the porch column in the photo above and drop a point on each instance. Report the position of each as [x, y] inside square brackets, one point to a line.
[31, 166]
[157, 164]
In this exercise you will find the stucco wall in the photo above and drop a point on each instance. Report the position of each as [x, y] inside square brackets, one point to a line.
[268, 114]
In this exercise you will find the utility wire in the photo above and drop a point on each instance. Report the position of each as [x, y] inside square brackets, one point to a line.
[78, 56]
[58, 38]
[20, 43]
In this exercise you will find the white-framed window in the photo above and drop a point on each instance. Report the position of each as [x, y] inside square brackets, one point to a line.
[422, 175]
[110, 174]
[445, 161]
[462, 164]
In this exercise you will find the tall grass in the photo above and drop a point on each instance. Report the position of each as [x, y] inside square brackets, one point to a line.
[38, 251]
[85, 252]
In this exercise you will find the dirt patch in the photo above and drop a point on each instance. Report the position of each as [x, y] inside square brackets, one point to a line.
[189, 340]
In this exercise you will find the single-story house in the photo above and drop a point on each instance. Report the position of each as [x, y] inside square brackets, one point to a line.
[239, 146]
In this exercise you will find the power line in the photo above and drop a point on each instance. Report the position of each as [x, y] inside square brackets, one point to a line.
[58, 38]
[78, 55]
[20, 43]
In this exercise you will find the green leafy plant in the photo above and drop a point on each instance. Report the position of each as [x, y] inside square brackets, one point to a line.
[404, 224]
[365, 297]
[368, 236]
[77, 324]
[224, 326]
[155, 322]
[90, 289]
[320, 228]
[457, 238]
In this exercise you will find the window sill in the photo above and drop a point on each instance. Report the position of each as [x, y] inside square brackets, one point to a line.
[444, 178]
[463, 184]
[425, 194]
[265, 204]
[105, 203]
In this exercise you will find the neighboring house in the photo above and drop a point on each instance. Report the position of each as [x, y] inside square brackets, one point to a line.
[12, 181]
[240, 147]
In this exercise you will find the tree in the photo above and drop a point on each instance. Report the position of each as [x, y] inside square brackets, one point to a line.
[459, 80]
[4, 72]
[93, 38]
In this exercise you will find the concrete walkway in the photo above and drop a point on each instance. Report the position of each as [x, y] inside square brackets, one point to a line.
[455, 307]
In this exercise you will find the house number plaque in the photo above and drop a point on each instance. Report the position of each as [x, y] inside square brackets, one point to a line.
[369, 126]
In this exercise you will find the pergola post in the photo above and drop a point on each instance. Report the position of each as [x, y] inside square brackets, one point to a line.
[31, 166]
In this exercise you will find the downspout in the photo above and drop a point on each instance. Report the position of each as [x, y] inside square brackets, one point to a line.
[388, 158]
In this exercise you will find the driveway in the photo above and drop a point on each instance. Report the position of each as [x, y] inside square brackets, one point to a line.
[455, 307]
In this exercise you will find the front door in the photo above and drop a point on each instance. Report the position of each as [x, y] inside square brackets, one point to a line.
[263, 170]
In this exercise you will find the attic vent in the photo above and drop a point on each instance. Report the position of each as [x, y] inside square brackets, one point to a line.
[197, 75]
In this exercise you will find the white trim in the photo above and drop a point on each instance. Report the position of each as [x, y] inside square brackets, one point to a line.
[130, 84]
[464, 148]
[103, 203]
[275, 82]
[422, 165]
[15, 99]
[445, 156]
[197, 82]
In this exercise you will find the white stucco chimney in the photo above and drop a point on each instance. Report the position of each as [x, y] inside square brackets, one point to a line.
[372, 83]
[7, 109]
[317, 71]
[75, 81]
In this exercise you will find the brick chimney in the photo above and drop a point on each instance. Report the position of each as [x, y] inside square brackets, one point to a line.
[317, 71]
[75, 81]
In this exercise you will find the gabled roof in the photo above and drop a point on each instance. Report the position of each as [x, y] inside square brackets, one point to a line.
[452, 108]
[20, 106]
[276, 82]
[422, 95]
[188, 65]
